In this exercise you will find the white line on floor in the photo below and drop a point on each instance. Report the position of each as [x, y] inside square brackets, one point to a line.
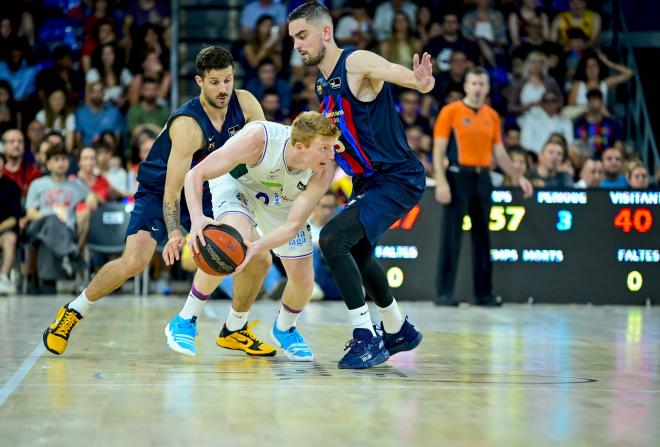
[15, 380]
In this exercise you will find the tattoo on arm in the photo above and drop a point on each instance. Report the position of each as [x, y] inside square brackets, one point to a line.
[171, 213]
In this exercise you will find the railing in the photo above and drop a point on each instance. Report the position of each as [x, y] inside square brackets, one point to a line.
[637, 122]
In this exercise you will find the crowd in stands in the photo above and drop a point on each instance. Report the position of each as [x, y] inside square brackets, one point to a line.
[85, 84]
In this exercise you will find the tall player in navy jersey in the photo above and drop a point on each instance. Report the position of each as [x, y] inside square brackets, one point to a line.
[193, 131]
[355, 91]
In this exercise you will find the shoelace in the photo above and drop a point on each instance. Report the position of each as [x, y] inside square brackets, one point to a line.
[68, 321]
[187, 325]
[356, 346]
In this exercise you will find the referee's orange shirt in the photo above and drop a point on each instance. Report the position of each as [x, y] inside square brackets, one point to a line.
[472, 133]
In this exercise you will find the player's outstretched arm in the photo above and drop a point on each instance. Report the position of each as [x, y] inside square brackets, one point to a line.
[186, 137]
[298, 215]
[370, 65]
[247, 147]
[251, 108]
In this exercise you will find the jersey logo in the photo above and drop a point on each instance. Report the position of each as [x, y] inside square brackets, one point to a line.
[301, 186]
[211, 145]
[335, 83]
[319, 88]
[339, 147]
[232, 130]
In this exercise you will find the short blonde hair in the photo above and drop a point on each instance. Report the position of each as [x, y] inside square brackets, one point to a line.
[309, 125]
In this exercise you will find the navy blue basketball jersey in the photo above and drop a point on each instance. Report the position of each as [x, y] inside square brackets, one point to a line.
[372, 134]
[153, 170]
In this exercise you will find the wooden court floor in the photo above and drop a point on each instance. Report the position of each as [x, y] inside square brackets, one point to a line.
[517, 376]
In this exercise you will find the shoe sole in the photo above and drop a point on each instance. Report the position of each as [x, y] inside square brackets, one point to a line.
[174, 346]
[409, 347]
[286, 354]
[45, 339]
[372, 362]
[269, 354]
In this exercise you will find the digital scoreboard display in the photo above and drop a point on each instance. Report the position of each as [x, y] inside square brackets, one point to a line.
[559, 246]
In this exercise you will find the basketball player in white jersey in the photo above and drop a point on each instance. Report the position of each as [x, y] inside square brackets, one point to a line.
[289, 168]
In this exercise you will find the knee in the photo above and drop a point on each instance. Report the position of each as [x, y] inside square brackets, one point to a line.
[10, 239]
[134, 263]
[259, 264]
[304, 284]
[330, 240]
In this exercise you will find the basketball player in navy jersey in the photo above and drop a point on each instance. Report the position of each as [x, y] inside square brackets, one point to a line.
[355, 91]
[192, 132]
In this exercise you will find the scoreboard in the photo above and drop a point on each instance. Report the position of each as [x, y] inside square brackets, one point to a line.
[559, 246]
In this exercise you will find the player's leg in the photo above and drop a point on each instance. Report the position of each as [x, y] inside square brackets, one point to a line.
[337, 238]
[479, 209]
[298, 290]
[8, 241]
[137, 253]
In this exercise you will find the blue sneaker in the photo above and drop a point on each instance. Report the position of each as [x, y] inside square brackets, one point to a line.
[406, 339]
[181, 335]
[295, 348]
[365, 350]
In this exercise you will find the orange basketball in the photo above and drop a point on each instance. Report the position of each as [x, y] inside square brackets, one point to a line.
[223, 252]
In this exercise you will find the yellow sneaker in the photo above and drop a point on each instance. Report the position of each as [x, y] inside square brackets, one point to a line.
[56, 336]
[244, 340]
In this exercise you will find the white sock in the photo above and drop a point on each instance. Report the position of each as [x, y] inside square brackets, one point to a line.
[286, 319]
[360, 318]
[392, 319]
[192, 308]
[81, 304]
[236, 320]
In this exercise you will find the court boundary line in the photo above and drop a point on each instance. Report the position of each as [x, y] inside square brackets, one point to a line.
[15, 380]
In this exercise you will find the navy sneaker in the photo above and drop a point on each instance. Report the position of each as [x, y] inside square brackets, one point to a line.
[364, 351]
[406, 339]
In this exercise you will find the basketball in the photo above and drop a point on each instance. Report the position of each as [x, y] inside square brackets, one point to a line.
[223, 252]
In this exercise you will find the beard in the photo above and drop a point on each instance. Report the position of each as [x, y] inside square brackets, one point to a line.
[212, 101]
[313, 61]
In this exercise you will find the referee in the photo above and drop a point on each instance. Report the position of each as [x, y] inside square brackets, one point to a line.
[467, 133]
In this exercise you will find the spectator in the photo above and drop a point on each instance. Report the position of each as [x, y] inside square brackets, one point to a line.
[304, 92]
[108, 68]
[595, 129]
[150, 40]
[401, 43]
[7, 33]
[50, 210]
[521, 165]
[637, 175]
[535, 41]
[147, 111]
[511, 136]
[577, 45]
[425, 27]
[36, 133]
[613, 177]
[267, 78]
[10, 116]
[265, 44]
[255, 9]
[62, 76]
[103, 34]
[325, 209]
[10, 213]
[56, 116]
[450, 80]
[270, 103]
[16, 167]
[95, 116]
[526, 93]
[591, 174]
[443, 46]
[144, 144]
[486, 26]
[17, 72]
[547, 173]
[540, 122]
[354, 30]
[40, 155]
[409, 107]
[153, 68]
[110, 167]
[591, 73]
[578, 17]
[421, 147]
[519, 20]
[384, 16]
[140, 13]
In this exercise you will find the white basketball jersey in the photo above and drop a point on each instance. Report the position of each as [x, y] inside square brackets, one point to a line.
[271, 180]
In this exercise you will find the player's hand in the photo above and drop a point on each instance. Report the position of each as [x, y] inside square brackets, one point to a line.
[423, 71]
[443, 193]
[197, 226]
[252, 248]
[173, 247]
[526, 187]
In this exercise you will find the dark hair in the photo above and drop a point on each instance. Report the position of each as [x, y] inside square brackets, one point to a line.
[270, 91]
[310, 12]
[213, 58]
[55, 150]
[61, 51]
[595, 93]
[476, 71]
[117, 66]
[266, 61]
[101, 146]
[87, 146]
[262, 18]
[581, 69]
[53, 132]
[512, 126]
[576, 33]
